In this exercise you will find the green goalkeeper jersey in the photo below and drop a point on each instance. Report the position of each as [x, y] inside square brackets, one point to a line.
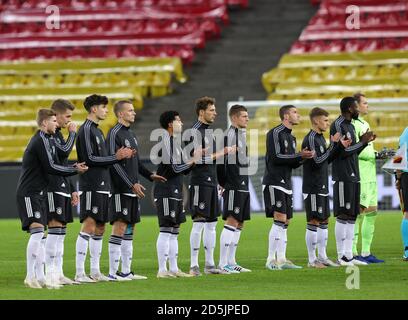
[366, 159]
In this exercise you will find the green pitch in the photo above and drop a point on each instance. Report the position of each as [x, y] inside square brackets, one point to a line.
[382, 281]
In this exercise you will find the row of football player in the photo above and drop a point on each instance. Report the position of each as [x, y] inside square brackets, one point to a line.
[125, 166]
[44, 194]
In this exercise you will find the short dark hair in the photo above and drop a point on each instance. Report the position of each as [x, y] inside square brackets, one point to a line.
[236, 109]
[346, 103]
[62, 105]
[119, 105]
[203, 103]
[317, 112]
[44, 114]
[167, 117]
[358, 96]
[94, 100]
[284, 110]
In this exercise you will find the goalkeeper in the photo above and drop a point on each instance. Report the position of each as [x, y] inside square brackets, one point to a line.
[368, 193]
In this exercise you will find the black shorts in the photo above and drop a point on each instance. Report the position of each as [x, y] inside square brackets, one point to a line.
[317, 207]
[94, 205]
[124, 208]
[404, 190]
[32, 209]
[277, 200]
[236, 205]
[69, 215]
[204, 202]
[170, 211]
[346, 198]
[59, 208]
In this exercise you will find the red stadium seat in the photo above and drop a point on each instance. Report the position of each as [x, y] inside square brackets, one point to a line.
[110, 28]
[383, 26]
[114, 4]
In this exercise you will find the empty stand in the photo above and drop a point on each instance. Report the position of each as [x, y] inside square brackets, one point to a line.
[330, 60]
[382, 25]
[124, 49]
[19, 108]
[109, 29]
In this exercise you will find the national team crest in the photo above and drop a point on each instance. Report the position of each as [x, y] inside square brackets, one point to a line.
[97, 140]
[236, 210]
[286, 143]
[37, 214]
[58, 140]
[279, 204]
[321, 149]
[95, 210]
[59, 210]
[173, 214]
[348, 134]
[201, 205]
[320, 210]
[127, 143]
[348, 205]
[125, 211]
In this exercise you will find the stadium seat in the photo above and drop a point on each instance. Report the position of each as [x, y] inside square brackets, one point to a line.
[125, 49]
[19, 110]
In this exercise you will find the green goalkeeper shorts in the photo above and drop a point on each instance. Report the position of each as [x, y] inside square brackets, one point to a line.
[369, 194]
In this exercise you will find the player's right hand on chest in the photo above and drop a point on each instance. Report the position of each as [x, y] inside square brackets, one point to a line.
[125, 153]
[307, 154]
[81, 167]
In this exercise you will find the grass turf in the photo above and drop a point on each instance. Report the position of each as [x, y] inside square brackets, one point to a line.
[381, 281]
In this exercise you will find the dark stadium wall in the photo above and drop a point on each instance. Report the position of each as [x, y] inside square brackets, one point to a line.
[9, 178]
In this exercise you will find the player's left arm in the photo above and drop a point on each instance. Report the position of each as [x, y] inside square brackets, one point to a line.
[65, 148]
[113, 145]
